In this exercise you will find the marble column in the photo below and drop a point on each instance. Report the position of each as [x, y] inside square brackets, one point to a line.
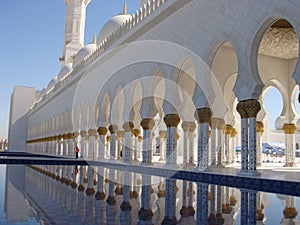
[259, 133]
[128, 127]
[185, 128]
[213, 143]
[171, 121]
[113, 130]
[162, 147]
[120, 144]
[228, 129]
[91, 147]
[65, 144]
[248, 111]
[192, 127]
[233, 145]
[289, 130]
[83, 135]
[101, 142]
[204, 117]
[136, 133]
[220, 143]
[147, 125]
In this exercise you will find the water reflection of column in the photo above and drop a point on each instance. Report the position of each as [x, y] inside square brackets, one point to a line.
[111, 200]
[145, 213]
[100, 195]
[202, 204]
[184, 212]
[212, 215]
[170, 204]
[90, 189]
[244, 207]
[290, 212]
[125, 206]
[90, 210]
[190, 199]
[220, 219]
[100, 215]
[252, 207]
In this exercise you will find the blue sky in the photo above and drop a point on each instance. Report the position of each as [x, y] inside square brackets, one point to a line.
[31, 41]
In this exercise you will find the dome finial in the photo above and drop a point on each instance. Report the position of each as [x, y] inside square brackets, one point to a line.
[125, 8]
[95, 39]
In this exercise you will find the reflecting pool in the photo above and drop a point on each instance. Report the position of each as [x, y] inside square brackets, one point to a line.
[41, 195]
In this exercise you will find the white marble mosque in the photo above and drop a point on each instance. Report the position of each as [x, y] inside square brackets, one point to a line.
[179, 84]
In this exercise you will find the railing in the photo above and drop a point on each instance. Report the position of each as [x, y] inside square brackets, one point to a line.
[136, 18]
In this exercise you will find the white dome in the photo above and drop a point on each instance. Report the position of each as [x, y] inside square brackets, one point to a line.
[83, 53]
[66, 69]
[112, 25]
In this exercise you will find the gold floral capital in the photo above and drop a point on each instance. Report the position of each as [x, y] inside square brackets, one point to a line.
[113, 129]
[289, 128]
[185, 126]
[92, 132]
[172, 120]
[162, 134]
[120, 134]
[259, 127]
[204, 115]
[248, 108]
[192, 126]
[147, 124]
[128, 126]
[228, 129]
[102, 131]
[83, 133]
[136, 132]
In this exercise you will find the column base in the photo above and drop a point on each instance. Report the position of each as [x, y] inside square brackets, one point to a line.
[169, 221]
[111, 200]
[292, 164]
[73, 185]
[145, 214]
[146, 164]
[125, 207]
[184, 212]
[100, 195]
[191, 210]
[248, 173]
[81, 188]
[90, 191]
[202, 169]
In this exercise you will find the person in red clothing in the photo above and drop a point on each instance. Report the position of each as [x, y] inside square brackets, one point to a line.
[77, 152]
